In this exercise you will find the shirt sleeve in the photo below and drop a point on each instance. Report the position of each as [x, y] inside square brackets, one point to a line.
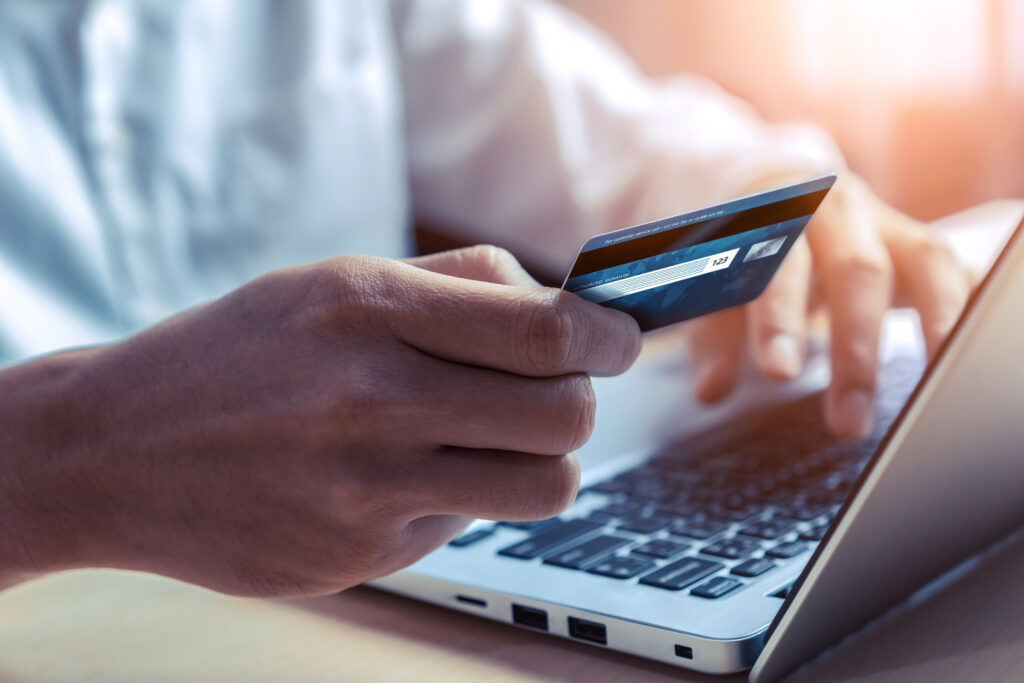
[528, 128]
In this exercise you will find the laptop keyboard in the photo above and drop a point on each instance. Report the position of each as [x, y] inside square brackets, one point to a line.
[712, 521]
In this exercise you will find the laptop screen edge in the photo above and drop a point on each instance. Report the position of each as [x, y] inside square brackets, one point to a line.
[767, 668]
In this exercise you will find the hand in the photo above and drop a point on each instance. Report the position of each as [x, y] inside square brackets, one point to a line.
[319, 427]
[864, 252]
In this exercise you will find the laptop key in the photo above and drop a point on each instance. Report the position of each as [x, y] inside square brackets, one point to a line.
[661, 548]
[679, 507]
[700, 529]
[731, 548]
[533, 526]
[626, 508]
[585, 553]
[716, 587]
[787, 550]
[651, 491]
[681, 573]
[621, 567]
[646, 525]
[549, 539]
[769, 529]
[754, 567]
[735, 514]
[470, 538]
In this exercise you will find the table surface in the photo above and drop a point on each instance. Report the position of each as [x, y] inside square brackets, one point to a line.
[115, 626]
[107, 626]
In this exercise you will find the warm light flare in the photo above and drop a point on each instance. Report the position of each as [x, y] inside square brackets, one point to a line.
[926, 97]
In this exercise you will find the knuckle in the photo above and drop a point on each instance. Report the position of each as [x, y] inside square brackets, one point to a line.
[356, 284]
[865, 267]
[548, 331]
[931, 249]
[379, 489]
[495, 260]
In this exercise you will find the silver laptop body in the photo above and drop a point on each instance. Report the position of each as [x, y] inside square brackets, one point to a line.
[939, 481]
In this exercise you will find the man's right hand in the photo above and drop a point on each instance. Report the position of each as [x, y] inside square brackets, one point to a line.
[319, 427]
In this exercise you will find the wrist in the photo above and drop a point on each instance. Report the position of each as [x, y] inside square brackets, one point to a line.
[44, 455]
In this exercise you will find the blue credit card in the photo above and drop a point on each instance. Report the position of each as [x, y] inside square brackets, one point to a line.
[689, 265]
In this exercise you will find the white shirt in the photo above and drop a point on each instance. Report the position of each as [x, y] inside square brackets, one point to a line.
[156, 154]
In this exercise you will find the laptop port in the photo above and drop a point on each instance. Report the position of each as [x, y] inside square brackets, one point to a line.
[684, 652]
[476, 602]
[529, 616]
[590, 631]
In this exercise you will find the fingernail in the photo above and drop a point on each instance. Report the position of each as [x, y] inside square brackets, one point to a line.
[783, 356]
[855, 412]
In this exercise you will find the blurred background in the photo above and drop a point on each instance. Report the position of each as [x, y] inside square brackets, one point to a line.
[925, 97]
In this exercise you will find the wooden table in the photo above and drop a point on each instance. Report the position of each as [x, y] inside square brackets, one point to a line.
[116, 626]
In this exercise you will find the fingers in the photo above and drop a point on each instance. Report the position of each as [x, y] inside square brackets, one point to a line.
[716, 352]
[777, 318]
[482, 262]
[532, 331]
[860, 246]
[857, 275]
[499, 485]
[456, 405]
[937, 285]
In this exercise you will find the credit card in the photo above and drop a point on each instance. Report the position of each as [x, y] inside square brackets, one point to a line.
[685, 266]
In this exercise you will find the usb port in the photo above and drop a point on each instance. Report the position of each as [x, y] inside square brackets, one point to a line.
[590, 631]
[529, 616]
[684, 652]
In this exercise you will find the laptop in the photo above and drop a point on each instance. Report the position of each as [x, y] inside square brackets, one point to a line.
[755, 539]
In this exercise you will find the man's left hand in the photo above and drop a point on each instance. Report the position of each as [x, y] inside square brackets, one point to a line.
[865, 255]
